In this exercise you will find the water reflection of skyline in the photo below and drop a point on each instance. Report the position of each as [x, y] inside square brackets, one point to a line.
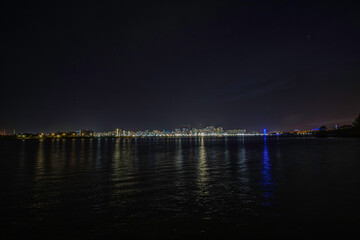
[179, 154]
[203, 175]
[242, 161]
[123, 170]
[267, 177]
[40, 160]
[208, 164]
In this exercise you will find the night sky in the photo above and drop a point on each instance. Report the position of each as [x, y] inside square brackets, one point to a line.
[164, 64]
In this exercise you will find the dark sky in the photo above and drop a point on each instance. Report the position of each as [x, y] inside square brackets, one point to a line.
[164, 64]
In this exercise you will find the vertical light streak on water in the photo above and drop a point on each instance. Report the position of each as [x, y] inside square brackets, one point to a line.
[127, 150]
[226, 166]
[55, 146]
[98, 153]
[82, 152]
[179, 159]
[116, 161]
[242, 161]
[62, 154]
[203, 175]
[117, 174]
[91, 151]
[51, 158]
[73, 152]
[134, 157]
[243, 177]
[226, 154]
[179, 154]
[122, 171]
[40, 182]
[105, 151]
[40, 160]
[267, 178]
[135, 152]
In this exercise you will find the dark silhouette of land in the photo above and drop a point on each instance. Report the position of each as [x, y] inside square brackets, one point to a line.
[343, 131]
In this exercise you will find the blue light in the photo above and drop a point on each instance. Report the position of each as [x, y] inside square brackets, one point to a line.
[267, 181]
[265, 131]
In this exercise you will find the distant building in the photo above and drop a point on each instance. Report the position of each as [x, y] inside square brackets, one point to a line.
[86, 132]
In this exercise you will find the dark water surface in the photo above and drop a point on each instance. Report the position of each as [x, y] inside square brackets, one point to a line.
[180, 188]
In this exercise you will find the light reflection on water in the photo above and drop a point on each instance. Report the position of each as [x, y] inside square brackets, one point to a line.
[122, 182]
[40, 161]
[179, 155]
[98, 153]
[203, 176]
[267, 178]
[242, 161]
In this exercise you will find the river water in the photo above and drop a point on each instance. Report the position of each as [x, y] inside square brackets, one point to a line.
[177, 188]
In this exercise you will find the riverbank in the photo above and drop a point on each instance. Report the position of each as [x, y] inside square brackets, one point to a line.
[351, 132]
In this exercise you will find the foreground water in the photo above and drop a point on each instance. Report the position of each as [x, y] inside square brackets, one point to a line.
[180, 188]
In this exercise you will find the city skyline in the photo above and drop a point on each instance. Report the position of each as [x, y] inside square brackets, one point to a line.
[186, 130]
[330, 124]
